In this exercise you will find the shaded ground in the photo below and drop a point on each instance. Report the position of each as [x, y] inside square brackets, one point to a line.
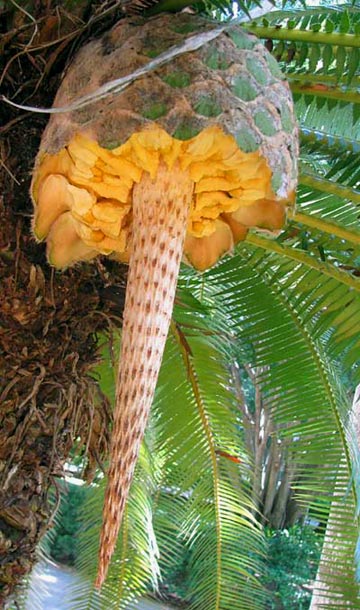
[50, 582]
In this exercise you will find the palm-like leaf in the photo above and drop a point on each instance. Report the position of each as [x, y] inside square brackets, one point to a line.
[203, 500]
[288, 341]
[194, 500]
[218, 521]
[135, 561]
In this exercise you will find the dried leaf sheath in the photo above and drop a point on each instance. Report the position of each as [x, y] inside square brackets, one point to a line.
[160, 213]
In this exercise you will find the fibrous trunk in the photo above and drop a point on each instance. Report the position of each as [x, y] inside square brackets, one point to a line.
[48, 399]
[160, 210]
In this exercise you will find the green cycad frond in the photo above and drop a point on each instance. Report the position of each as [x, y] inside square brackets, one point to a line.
[333, 127]
[217, 516]
[184, 493]
[323, 40]
[324, 303]
[286, 334]
[320, 51]
[340, 542]
[329, 182]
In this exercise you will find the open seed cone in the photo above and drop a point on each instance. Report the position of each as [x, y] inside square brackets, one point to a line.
[179, 166]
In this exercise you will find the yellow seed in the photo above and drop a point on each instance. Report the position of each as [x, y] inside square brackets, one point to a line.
[203, 252]
[82, 200]
[80, 153]
[219, 183]
[64, 246]
[120, 192]
[54, 198]
[264, 213]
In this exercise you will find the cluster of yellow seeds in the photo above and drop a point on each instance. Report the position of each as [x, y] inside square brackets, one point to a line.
[83, 194]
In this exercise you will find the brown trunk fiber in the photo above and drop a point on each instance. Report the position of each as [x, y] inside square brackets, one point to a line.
[272, 477]
[48, 321]
[160, 211]
[278, 513]
[47, 397]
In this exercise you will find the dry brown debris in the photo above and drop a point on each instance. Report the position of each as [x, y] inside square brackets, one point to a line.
[50, 402]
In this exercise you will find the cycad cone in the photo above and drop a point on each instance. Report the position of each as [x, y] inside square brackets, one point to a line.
[177, 167]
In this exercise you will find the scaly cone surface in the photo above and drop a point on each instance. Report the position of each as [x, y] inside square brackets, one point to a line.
[160, 213]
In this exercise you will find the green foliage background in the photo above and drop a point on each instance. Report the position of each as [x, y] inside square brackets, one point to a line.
[63, 540]
[293, 556]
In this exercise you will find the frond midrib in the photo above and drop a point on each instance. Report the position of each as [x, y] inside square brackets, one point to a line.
[216, 481]
[301, 257]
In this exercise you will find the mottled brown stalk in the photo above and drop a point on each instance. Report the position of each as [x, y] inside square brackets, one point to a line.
[160, 210]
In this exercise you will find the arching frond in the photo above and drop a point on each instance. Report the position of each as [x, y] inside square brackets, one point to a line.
[287, 336]
[183, 492]
[322, 40]
[217, 516]
[324, 303]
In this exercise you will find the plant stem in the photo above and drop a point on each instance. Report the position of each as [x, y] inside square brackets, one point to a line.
[329, 79]
[328, 92]
[328, 186]
[327, 227]
[288, 34]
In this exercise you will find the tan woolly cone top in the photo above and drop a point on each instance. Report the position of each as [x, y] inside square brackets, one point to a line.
[208, 150]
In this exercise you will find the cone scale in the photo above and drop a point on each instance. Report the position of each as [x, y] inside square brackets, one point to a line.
[160, 214]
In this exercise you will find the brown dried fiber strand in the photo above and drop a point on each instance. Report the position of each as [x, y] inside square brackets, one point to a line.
[160, 213]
